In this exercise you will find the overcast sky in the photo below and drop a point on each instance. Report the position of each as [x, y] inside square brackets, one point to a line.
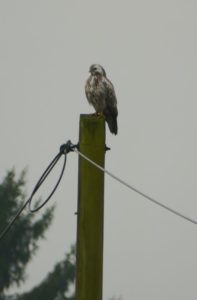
[148, 49]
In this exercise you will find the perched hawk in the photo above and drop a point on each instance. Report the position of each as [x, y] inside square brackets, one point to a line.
[101, 94]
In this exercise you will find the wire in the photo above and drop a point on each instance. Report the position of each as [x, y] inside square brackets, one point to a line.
[42, 179]
[135, 189]
[64, 149]
[7, 228]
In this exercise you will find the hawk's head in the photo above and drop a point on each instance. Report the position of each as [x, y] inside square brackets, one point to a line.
[97, 70]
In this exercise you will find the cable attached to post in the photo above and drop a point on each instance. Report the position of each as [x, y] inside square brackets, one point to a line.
[173, 211]
[64, 150]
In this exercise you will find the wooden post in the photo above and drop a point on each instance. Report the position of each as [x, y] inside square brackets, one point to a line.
[90, 210]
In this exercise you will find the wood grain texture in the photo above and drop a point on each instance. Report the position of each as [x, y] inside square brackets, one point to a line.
[90, 210]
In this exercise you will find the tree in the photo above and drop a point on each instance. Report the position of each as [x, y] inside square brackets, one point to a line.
[57, 282]
[21, 243]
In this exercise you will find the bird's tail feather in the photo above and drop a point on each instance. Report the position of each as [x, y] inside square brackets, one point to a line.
[112, 123]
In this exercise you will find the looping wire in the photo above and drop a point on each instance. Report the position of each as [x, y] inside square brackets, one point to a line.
[64, 149]
[43, 178]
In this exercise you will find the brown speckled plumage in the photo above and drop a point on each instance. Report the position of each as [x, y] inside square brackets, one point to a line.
[101, 95]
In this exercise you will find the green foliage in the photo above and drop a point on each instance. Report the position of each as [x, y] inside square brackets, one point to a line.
[21, 242]
[57, 283]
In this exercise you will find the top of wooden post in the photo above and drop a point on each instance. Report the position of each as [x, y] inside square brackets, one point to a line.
[94, 127]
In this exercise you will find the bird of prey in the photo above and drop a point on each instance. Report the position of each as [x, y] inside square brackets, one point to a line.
[101, 95]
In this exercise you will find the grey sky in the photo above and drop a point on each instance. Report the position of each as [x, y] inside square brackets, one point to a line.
[148, 49]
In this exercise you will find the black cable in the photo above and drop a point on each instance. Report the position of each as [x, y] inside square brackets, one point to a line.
[42, 179]
[7, 228]
[64, 149]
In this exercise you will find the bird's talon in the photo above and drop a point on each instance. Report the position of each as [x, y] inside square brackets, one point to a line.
[99, 114]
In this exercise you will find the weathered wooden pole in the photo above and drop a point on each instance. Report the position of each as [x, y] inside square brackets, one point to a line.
[90, 210]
